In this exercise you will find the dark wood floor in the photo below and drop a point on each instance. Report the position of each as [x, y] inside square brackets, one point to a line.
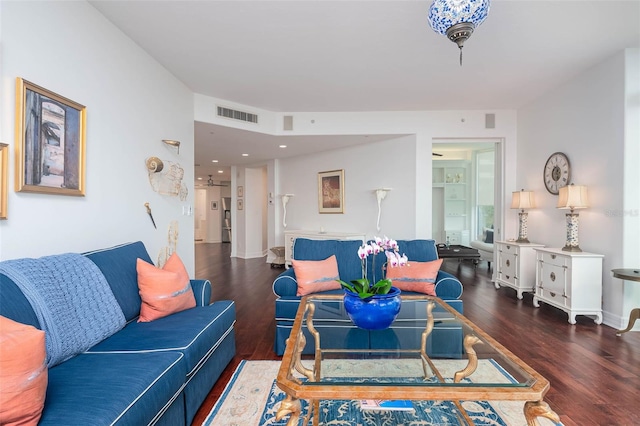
[594, 375]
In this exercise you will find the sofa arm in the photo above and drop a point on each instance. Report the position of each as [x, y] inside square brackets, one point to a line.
[202, 292]
[448, 286]
[285, 284]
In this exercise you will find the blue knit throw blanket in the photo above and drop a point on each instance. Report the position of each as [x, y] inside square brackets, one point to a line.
[72, 300]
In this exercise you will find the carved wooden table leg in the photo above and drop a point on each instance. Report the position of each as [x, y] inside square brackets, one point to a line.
[290, 405]
[469, 341]
[534, 409]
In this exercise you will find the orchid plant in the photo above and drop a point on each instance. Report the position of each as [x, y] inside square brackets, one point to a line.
[361, 286]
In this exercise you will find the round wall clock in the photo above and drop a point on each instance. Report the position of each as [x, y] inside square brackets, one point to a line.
[557, 172]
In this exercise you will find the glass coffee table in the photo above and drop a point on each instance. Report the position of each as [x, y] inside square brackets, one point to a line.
[394, 364]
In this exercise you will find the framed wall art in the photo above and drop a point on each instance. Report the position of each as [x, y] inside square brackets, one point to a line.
[240, 192]
[4, 176]
[50, 142]
[214, 205]
[240, 204]
[331, 191]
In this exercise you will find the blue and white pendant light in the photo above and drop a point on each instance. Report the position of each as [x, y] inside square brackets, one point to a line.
[458, 18]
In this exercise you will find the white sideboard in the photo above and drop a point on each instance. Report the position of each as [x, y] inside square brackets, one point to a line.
[571, 281]
[290, 237]
[516, 265]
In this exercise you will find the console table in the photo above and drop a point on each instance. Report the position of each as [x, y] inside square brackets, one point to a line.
[290, 237]
[628, 275]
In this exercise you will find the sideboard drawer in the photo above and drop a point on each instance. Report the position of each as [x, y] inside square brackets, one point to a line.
[507, 267]
[508, 248]
[555, 259]
[553, 278]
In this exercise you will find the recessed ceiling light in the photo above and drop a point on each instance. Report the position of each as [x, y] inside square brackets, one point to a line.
[283, 146]
[214, 161]
[245, 155]
[220, 171]
[199, 178]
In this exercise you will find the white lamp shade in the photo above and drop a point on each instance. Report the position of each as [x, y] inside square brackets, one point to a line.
[522, 200]
[573, 197]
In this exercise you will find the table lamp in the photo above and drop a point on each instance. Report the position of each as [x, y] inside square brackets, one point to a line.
[522, 200]
[572, 197]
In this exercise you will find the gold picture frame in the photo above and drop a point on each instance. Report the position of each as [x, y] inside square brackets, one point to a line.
[4, 176]
[50, 142]
[331, 191]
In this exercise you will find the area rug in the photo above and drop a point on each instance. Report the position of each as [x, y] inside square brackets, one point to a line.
[252, 398]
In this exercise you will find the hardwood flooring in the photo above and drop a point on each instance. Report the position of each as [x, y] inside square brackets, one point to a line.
[594, 375]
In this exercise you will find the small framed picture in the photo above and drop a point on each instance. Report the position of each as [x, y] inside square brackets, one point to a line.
[240, 192]
[214, 205]
[331, 191]
[240, 205]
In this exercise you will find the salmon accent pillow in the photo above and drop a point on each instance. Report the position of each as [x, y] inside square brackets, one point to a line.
[23, 373]
[316, 275]
[419, 277]
[163, 291]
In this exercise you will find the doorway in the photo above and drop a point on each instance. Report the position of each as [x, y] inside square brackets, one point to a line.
[466, 189]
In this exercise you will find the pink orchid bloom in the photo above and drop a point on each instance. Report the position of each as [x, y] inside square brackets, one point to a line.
[392, 259]
[403, 260]
[376, 248]
[362, 252]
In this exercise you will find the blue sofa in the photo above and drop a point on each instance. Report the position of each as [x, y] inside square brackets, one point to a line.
[146, 373]
[445, 340]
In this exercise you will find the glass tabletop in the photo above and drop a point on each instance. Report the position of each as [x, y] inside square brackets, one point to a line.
[408, 353]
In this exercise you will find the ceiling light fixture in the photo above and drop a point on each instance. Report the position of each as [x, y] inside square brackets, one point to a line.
[283, 146]
[458, 18]
[220, 171]
[245, 155]
[214, 161]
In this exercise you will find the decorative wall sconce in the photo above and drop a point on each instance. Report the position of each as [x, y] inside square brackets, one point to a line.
[572, 197]
[522, 200]
[381, 194]
[173, 143]
[285, 201]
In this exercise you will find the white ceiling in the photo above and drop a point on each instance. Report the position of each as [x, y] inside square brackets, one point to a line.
[321, 55]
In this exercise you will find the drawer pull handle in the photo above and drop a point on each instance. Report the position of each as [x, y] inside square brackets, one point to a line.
[553, 256]
[552, 294]
[508, 247]
[552, 276]
[507, 276]
[508, 263]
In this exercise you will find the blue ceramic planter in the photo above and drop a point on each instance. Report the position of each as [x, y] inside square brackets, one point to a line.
[375, 313]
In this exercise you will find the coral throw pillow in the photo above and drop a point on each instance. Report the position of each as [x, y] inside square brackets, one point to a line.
[163, 291]
[23, 373]
[419, 277]
[316, 275]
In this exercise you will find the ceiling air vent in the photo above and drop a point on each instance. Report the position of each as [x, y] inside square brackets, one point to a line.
[237, 115]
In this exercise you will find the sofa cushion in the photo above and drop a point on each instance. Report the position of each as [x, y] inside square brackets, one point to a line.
[114, 388]
[346, 252]
[416, 276]
[23, 373]
[118, 265]
[314, 276]
[18, 309]
[420, 250]
[163, 291]
[194, 332]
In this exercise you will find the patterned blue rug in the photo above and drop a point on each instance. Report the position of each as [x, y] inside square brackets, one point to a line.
[253, 398]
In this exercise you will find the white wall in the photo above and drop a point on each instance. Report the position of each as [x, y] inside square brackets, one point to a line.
[388, 164]
[132, 104]
[631, 203]
[585, 119]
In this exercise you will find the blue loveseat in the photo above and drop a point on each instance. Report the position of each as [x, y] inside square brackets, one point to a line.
[445, 340]
[146, 373]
